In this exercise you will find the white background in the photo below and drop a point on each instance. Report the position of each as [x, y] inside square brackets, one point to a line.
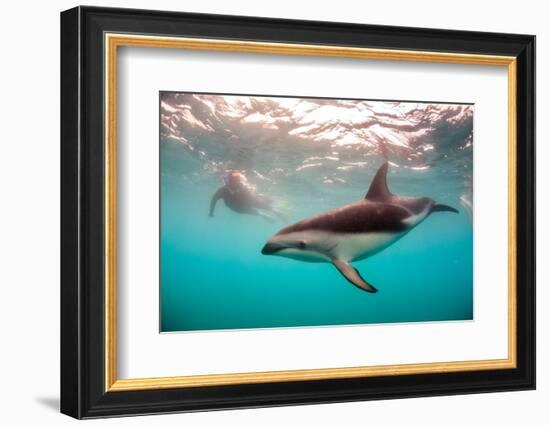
[143, 72]
[29, 175]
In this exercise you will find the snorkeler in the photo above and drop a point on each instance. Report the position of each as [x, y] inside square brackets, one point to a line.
[239, 196]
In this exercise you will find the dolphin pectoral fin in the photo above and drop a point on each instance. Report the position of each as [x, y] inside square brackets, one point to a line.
[353, 276]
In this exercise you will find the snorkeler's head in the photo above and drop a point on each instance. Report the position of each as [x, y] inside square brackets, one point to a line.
[233, 178]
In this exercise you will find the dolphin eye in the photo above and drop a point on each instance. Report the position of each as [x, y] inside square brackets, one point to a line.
[302, 245]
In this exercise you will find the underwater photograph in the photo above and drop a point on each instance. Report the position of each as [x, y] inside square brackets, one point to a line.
[281, 212]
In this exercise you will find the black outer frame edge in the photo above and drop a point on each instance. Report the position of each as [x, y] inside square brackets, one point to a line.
[82, 393]
[70, 348]
[526, 206]
[329, 26]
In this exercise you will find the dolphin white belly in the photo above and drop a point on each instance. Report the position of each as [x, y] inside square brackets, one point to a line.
[355, 247]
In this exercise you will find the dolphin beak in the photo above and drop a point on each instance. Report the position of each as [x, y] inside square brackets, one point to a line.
[271, 248]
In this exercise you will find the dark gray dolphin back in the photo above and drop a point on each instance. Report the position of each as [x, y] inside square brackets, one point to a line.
[359, 217]
[380, 211]
[379, 192]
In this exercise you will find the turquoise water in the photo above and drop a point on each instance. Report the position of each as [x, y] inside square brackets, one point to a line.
[213, 275]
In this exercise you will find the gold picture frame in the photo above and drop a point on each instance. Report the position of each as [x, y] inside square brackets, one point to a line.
[114, 41]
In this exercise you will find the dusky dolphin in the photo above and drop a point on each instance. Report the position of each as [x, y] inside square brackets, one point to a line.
[355, 231]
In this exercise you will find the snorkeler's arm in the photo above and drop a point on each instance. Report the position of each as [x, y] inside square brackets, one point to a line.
[219, 194]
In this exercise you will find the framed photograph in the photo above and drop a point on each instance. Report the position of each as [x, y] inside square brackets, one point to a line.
[261, 212]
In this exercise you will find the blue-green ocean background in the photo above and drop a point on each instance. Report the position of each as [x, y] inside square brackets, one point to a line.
[213, 275]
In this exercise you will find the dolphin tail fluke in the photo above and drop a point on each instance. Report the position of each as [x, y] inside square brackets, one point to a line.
[442, 208]
[353, 276]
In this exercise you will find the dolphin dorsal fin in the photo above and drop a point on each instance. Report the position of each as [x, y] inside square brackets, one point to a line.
[378, 189]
